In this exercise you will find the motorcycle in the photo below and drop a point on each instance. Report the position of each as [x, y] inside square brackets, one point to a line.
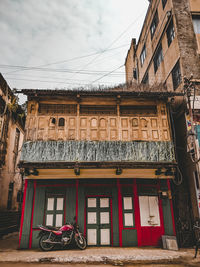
[63, 236]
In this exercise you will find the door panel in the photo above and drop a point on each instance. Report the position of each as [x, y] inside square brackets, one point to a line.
[154, 211]
[92, 237]
[104, 217]
[105, 236]
[92, 218]
[144, 210]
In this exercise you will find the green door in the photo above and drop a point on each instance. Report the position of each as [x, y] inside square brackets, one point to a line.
[98, 221]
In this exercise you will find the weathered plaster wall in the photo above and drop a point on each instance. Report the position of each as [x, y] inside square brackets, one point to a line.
[96, 151]
[190, 61]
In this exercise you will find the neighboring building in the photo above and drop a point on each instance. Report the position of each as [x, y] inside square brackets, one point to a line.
[168, 50]
[105, 156]
[12, 120]
[169, 45]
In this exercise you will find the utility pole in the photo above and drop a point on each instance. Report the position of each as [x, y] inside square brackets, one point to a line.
[192, 146]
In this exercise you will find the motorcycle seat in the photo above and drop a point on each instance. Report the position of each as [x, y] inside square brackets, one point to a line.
[52, 228]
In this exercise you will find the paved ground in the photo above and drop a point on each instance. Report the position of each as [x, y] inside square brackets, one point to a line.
[116, 256]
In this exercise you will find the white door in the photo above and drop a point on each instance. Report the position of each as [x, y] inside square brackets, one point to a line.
[149, 211]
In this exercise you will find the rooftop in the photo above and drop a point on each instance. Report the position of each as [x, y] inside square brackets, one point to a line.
[158, 91]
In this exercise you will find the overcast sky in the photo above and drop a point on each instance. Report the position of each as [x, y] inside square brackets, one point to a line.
[70, 43]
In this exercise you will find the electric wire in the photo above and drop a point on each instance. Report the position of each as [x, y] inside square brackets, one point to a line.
[108, 47]
[72, 59]
[106, 74]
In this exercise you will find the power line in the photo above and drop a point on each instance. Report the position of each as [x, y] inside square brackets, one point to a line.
[56, 70]
[115, 40]
[72, 59]
[50, 81]
[106, 74]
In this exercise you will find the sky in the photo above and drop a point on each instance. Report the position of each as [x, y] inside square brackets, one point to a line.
[50, 44]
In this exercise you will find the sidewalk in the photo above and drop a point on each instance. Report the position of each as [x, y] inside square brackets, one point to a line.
[115, 256]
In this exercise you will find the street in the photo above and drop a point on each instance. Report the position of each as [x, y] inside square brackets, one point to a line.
[83, 265]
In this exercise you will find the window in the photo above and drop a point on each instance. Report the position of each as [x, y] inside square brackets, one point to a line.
[158, 58]
[54, 210]
[176, 75]
[143, 55]
[16, 145]
[32, 108]
[57, 109]
[135, 73]
[154, 24]
[2, 105]
[137, 110]
[145, 80]
[52, 122]
[196, 23]
[61, 122]
[128, 212]
[10, 195]
[170, 33]
[164, 3]
[98, 110]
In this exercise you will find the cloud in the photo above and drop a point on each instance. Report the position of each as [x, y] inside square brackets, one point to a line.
[35, 32]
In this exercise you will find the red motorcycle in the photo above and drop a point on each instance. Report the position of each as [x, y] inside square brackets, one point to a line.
[63, 236]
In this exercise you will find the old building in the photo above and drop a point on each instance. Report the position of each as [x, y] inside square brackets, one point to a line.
[169, 45]
[106, 156]
[167, 51]
[11, 139]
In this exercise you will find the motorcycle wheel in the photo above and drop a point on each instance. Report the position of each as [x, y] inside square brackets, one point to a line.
[45, 246]
[80, 241]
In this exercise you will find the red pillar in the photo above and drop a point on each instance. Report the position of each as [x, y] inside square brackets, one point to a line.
[137, 213]
[120, 212]
[33, 205]
[23, 208]
[171, 206]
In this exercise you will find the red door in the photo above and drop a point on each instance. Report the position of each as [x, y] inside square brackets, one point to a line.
[151, 224]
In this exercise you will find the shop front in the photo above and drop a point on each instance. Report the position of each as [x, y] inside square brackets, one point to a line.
[110, 212]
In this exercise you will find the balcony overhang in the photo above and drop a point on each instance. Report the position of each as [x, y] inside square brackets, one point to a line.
[87, 170]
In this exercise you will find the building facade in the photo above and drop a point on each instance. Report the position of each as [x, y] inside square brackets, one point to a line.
[167, 53]
[106, 157]
[169, 45]
[11, 138]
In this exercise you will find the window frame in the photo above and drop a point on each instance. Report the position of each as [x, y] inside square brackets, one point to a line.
[170, 32]
[54, 212]
[128, 211]
[158, 58]
[154, 24]
[164, 2]
[176, 75]
[61, 122]
[196, 23]
[143, 55]
[16, 145]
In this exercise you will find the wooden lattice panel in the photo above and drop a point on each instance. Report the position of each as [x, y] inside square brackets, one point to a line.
[152, 126]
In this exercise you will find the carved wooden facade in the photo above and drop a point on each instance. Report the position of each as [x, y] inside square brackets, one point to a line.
[98, 119]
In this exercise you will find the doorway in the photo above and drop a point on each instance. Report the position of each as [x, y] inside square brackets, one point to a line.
[98, 220]
[150, 219]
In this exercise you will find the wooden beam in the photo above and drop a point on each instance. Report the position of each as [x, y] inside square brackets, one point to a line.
[97, 173]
